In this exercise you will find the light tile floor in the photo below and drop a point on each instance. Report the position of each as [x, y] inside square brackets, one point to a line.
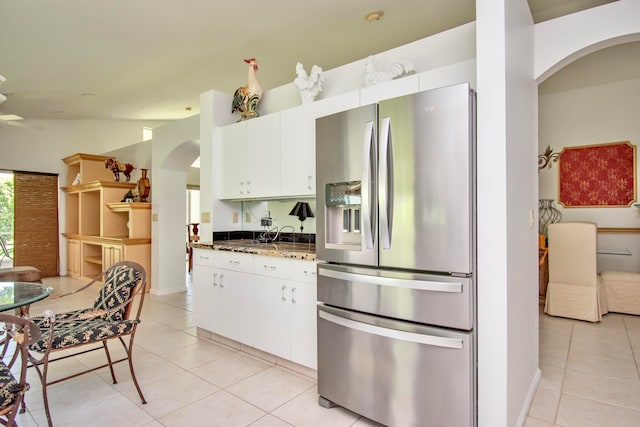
[589, 377]
[589, 373]
[187, 381]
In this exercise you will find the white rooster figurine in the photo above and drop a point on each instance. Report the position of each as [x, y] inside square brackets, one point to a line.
[310, 85]
[373, 77]
[246, 98]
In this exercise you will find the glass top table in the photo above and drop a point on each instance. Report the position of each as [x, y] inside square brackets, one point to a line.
[20, 294]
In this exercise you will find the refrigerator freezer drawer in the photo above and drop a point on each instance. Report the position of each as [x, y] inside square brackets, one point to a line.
[396, 373]
[423, 298]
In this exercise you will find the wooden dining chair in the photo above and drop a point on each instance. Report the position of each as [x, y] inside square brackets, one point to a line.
[110, 318]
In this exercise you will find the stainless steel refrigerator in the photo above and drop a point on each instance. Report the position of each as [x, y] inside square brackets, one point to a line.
[396, 229]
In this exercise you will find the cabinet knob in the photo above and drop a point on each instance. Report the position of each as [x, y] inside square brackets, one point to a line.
[215, 275]
[293, 295]
[284, 298]
[221, 282]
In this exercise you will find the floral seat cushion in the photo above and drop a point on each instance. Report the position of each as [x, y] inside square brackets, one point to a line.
[9, 388]
[72, 328]
[117, 288]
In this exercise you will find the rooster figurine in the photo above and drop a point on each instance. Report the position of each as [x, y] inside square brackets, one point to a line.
[373, 77]
[310, 85]
[246, 98]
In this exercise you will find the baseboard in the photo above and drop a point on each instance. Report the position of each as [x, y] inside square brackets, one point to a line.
[167, 291]
[531, 394]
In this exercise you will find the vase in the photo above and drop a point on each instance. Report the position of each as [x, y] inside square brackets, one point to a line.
[144, 186]
[547, 214]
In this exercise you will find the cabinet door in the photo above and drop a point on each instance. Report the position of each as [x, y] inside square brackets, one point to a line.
[303, 324]
[298, 152]
[111, 254]
[233, 302]
[204, 314]
[73, 258]
[232, 162]
[263, 157]
[272, 311]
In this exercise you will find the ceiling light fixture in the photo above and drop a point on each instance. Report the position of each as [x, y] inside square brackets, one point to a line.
[374, 16]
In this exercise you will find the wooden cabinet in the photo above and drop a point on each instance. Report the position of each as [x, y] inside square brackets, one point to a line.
[111, 254]
[249, 161]
[73, 258]
[101, 230]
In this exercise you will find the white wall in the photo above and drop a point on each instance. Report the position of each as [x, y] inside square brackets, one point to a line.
[41, 145]
[594, 115]
[175, 147]
[507, 275]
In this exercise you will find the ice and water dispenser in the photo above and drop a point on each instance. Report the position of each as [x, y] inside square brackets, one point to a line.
[343, 209]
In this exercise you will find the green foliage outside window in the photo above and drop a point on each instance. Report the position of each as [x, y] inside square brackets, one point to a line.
[6, 207]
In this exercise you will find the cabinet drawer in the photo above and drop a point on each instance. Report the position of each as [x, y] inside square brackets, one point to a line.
[203, 257]
[272, 266]
[303, 271]
[235, 261]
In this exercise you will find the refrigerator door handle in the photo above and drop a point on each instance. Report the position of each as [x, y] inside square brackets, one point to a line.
[386, 183]
[413, 337]
[423, 285]
[368, 153]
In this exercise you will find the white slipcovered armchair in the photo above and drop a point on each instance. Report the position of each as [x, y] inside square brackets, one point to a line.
[575, 289]
[623, 291]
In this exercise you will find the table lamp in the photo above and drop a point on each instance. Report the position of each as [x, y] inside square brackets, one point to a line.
[303, 211]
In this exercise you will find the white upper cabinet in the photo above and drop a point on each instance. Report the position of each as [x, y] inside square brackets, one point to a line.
[263, 156]
[232, 161]
[298, 152]
[249, 162]
[298, 142]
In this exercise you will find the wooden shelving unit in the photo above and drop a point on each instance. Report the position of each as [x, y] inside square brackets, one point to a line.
[99, 228]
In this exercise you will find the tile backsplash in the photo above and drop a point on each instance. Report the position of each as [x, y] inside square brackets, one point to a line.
[255, 234]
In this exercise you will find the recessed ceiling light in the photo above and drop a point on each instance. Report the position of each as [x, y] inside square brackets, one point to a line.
[374, 16]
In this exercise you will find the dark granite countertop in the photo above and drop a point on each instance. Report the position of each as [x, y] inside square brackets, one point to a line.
[305, 251]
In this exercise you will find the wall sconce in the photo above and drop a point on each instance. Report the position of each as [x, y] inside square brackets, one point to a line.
[547, 158]
[303, 211]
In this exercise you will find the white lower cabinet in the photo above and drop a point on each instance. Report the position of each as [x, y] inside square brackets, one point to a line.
[273, 308]
[304, 301]
[285, 311]
[222, 297]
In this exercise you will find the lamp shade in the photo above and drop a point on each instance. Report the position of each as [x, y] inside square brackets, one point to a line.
[302, 210]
